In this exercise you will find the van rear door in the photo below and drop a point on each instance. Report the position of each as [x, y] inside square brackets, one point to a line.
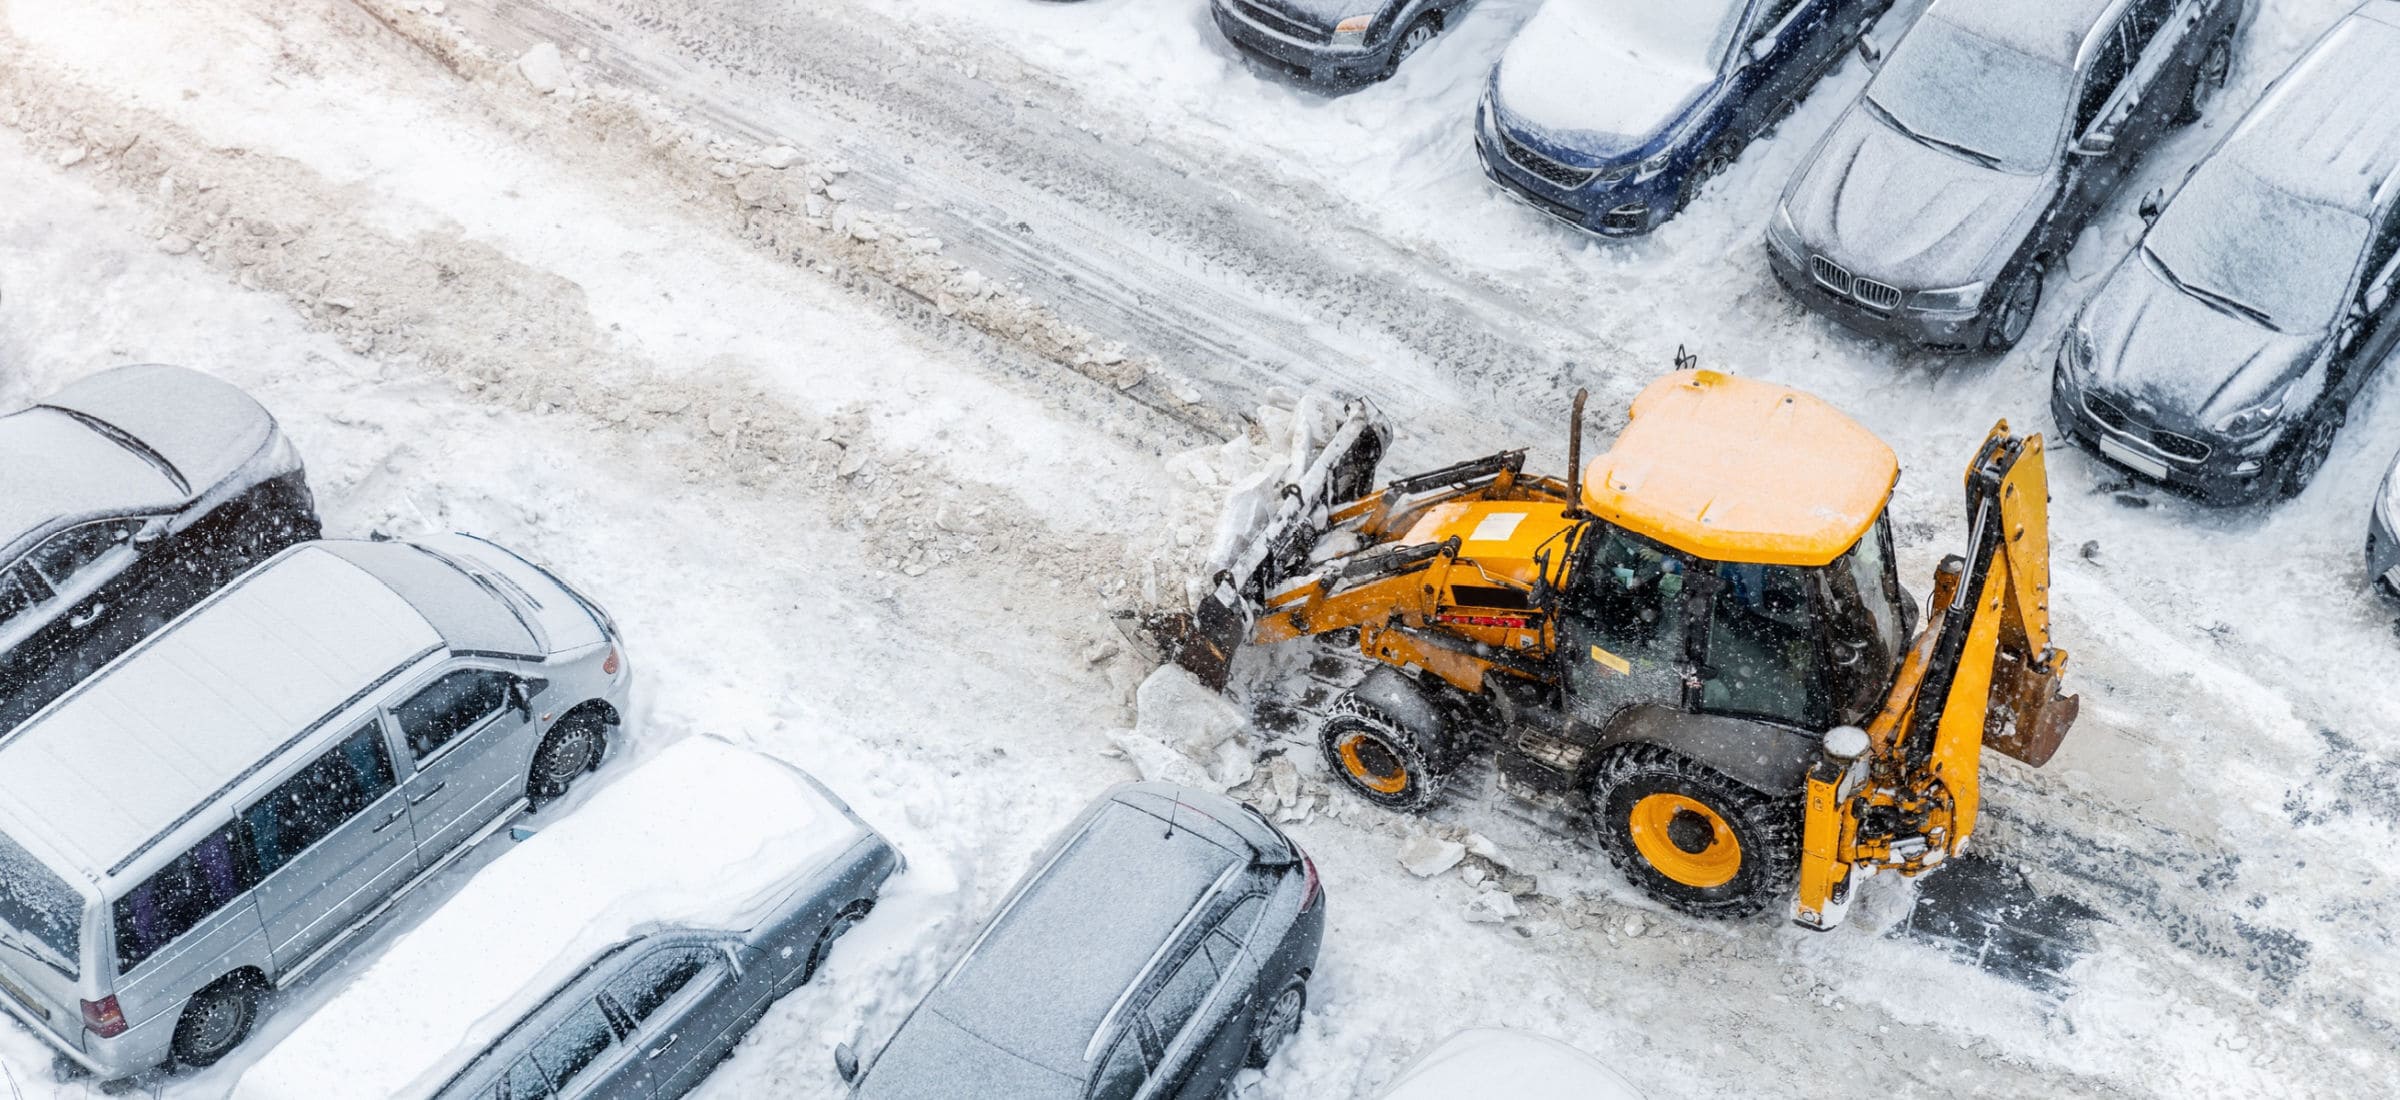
[41, 934]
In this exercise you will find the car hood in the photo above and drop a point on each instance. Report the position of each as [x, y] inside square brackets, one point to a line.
[204, 428]
[1572, 84]
[1887, 207]
[933, 1058]
[2182, 363]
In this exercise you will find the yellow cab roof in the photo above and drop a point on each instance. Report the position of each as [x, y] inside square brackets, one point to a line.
[1731, 469]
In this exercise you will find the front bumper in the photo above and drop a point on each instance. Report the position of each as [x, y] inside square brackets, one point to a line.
[1953, 332]
[1309, 61]
[2229, 474]
[1627, 209]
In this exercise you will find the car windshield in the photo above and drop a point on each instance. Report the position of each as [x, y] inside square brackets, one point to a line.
[1955, 91]
[1684, 35]
[2252, 250]
[39, 914]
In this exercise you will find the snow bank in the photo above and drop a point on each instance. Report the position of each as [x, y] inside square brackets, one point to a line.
[703, 834]
[1515, 1064]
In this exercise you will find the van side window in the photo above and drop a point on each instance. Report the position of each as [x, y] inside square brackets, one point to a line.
[652, 980]
[1122, 1073]
[524, 1082]
[312, 804]
[180, 896]
[574, 1044]
[450, 706]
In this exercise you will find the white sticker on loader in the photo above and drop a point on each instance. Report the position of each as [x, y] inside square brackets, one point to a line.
[1497, 527]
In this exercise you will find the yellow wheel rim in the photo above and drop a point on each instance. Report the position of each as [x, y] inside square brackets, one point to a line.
[1667, 827]
[1373, 764]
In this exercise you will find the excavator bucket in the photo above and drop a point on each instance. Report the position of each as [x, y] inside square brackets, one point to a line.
[1267, 533]
[2029, 716]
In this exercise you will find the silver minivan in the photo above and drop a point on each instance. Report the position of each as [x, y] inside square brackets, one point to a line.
[208, 817]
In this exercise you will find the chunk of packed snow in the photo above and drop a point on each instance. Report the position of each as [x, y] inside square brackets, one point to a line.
[1427, 856]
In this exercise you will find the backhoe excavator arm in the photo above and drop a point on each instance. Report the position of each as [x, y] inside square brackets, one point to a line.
[1906, 794]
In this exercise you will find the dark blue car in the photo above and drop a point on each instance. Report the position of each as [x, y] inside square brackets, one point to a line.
[1612, 114]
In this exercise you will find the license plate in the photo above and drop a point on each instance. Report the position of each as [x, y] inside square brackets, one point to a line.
[2133, 458]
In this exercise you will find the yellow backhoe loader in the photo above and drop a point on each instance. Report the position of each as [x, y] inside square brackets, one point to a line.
[1703, 640]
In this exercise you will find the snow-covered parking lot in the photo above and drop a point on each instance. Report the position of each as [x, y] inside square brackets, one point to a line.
[862, 355]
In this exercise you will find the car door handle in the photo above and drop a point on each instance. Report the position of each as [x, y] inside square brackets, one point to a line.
[392, 820]
[662, 1048]
[419, 799]
[87, 617]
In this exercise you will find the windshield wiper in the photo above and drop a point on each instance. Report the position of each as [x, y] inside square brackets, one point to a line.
[2213, 300]
[1928, 140]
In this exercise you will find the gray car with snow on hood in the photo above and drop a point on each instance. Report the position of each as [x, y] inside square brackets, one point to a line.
[2222, 354]
[1987, 140]
[121, 481]
[1162, 943]
[1333, 41]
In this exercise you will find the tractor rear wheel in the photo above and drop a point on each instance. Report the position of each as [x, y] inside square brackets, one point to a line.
[1381, 758]
[1692, 836]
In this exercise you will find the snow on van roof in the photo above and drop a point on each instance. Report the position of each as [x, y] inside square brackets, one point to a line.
[2326, 133]
[105, 770]
[705, 834]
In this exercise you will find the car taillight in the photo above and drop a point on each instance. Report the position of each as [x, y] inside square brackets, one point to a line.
[1310, 890]
[609, 666]
[103, 1018]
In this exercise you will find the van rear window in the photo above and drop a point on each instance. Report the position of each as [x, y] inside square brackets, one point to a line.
[179, 897]
[39, 904]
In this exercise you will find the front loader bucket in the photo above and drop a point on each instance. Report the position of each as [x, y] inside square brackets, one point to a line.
[1266, 535]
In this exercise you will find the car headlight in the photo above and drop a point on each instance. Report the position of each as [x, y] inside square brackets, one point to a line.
[1351, 33]
[1652, 167]
[1783, 234]
[2255, 420]
[2076, 354]
[1955, 299]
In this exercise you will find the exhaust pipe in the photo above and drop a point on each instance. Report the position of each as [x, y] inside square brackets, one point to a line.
[1575, 458]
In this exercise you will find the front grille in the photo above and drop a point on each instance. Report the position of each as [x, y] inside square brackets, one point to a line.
[2182, 448]
[1829, 274]
[1558, 174]
[1280, 23]
[1875, 295]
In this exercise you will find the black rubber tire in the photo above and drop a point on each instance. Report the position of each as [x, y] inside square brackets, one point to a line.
[1274, 1022]
[1719, 160]
[832, 933]
[1383, 743]
[2208, 80]
[201, 1040]
[1402, 50]
[1767, 829]
[2309, 451]
[553, 773]
[1996, 336]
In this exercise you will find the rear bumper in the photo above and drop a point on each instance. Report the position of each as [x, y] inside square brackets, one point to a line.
[1944, 332]
[1300, 60]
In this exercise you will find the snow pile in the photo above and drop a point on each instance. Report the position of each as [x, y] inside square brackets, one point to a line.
[704, 834]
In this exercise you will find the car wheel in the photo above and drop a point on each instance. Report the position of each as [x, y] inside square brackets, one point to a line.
[2309, 454]
[1692, 836]
[215, 1021]
[1384, 761]
[841, 925]
[2216, 67]
[1275, 1022]
[1716, 162]
[2015, 316]
[572, 748]
[1415, 38]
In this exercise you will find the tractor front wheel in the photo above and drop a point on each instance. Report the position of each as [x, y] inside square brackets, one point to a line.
[1385, 761]
[1692, 836]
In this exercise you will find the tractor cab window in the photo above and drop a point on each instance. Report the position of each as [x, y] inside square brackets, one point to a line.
[1622, 633]
[1869, 621]
[1763, 645]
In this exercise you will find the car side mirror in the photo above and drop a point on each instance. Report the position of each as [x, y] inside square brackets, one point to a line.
[1869, 52]
[1762, 49]
[150, 533]
[2098, 143]
[845, 1061]
[521, 694]
[2153, 204]
[2352, 325]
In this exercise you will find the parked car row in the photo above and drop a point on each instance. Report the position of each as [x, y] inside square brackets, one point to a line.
[2220, 356]
[235, 795]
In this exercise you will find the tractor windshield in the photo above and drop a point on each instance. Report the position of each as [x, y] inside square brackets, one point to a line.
[1812, 647]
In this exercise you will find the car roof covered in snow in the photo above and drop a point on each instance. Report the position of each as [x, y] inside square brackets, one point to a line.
[1519, 1065]
[1735, 470]
[62, 470]
[705, 834]
[2329, 130]
[2055, 30]
[1040, 982]
[101, 774]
